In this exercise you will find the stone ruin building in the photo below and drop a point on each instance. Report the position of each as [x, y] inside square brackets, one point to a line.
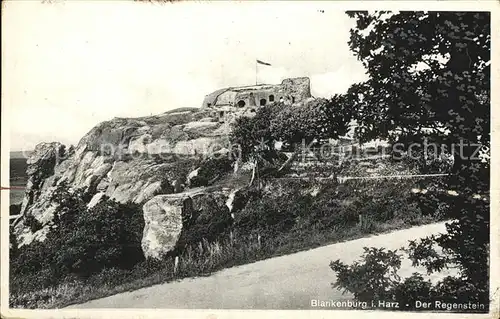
[248, 98]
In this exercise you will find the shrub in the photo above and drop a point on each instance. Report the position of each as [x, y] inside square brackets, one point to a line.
[108, 235]
[210, 221]
[412, 289]
[370, 279]
[211, 170]
[181, 166]
[270, 214]
[269, 166]
[14, 209]
[289, 215]
[374, 277]
[32, 223]
[242, 197]
[319, 119]
[83, 242]
[253, 134]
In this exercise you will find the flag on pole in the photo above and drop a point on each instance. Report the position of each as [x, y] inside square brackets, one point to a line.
[262, 62]
[257, 69]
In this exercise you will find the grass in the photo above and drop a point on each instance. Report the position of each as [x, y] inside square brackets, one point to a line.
[201, 260]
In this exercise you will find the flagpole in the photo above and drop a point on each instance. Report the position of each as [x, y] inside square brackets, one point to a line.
[256, 66]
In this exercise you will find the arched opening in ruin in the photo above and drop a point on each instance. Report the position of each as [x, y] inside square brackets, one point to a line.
[271, 98]
[241, 103]
[263, 102]
[221, 114]
[293, 99]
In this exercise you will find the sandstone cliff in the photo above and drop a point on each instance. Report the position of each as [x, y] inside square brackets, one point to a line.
[127, 159]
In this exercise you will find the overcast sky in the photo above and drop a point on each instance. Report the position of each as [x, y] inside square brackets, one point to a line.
[68, 66]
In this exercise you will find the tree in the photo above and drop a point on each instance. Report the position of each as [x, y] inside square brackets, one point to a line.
[429, 79]
[253, 139]
[317, 120]
[252, 133]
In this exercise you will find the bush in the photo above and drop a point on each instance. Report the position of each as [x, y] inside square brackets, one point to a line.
[272, 213]
[211, 170]
[244, 196]
[265, 217]
[289, 207]
[210, 222]
[32, 223]
[108, 235]
[253, 134]
[370, 279]
[14, 209]
[289, 215]
[81, 242]
[330, 207]
[319, 119]
[374, 277]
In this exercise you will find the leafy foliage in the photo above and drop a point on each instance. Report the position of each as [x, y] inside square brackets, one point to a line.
[253, 134]
[295, 208]
[32, 223]
[369, 280]
[209, 222]
[427, 70]
[269, 217]
[14, 209]
[313, 121]
[375, 277]
[81, 242]
[211, 170]
[280, 218]
[317, 120]
[429, 80]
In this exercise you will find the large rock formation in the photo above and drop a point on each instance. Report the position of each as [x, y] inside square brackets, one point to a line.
[124, 159]
[176, 220]
[149, 160]
[163, 223]
[41, 164]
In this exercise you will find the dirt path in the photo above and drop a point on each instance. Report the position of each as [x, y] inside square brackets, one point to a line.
[287, 282]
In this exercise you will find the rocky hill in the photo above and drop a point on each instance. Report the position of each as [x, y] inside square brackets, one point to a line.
[151, 161]
[128, 160]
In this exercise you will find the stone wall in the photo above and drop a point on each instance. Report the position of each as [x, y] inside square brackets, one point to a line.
[298, 88]
[292, 90]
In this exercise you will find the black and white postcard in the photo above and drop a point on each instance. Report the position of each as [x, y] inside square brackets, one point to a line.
[218, 159]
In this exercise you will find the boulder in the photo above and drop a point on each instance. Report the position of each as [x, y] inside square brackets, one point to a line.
[178, 220]
[200, 127]
[163, 217]
[41, 165]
